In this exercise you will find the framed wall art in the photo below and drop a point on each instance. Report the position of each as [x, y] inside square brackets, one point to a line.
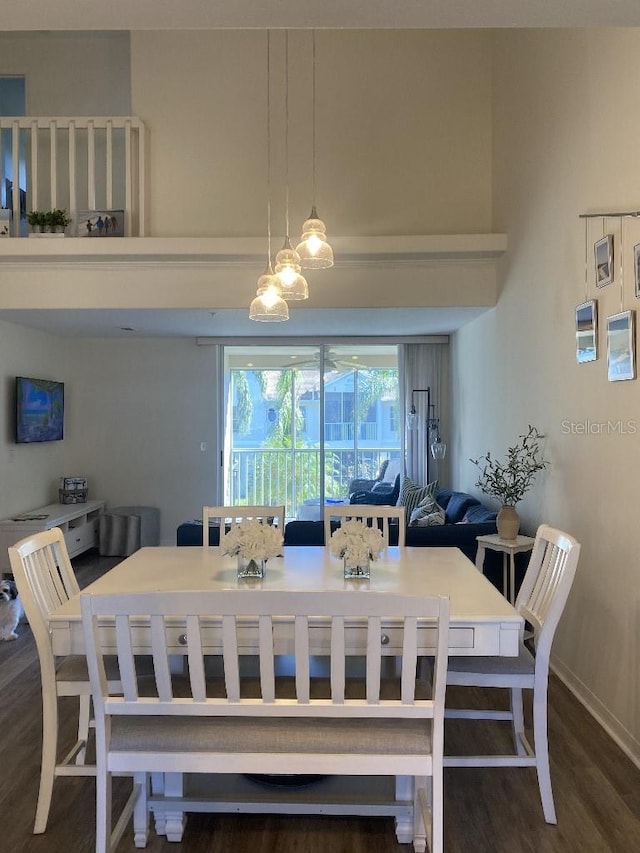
[621, 360]
[636, 267]
[604, 260]
[587, 332]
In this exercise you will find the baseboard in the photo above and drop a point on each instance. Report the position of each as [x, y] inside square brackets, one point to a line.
[614, 728]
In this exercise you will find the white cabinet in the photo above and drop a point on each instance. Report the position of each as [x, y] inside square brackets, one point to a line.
[78, 522]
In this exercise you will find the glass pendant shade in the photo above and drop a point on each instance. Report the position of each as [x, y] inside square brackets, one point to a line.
[292, 285]
[412, 419]
[438, 449]
[268, 306]
[314, 251]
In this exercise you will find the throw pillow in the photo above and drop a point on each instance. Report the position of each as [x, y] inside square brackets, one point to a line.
[411, 494]
[427, 514]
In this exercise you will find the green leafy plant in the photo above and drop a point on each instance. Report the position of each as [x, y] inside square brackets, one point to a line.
[56, 219]
[511, 479]
[36, 218]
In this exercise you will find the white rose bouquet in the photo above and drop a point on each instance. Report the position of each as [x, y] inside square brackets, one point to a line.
[356, 542]
[253, 540]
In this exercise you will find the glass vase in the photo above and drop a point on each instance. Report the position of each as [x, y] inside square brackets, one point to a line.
[357, 570]
[249, 567]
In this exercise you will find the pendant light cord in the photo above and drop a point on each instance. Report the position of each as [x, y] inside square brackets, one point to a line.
[286, 128]
[313, 119]
[269, 145]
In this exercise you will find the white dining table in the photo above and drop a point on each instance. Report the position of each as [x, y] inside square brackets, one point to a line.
[482, 622]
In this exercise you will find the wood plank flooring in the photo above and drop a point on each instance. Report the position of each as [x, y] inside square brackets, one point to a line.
[596, 788]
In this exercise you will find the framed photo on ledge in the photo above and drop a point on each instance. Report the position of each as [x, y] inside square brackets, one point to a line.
[587, 332]
[100, 223]
[621, 361]
[604, 260]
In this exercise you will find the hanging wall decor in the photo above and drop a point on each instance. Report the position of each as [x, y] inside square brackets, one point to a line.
[621, 346]
[604, 260]
[587, 332]
[636, 267]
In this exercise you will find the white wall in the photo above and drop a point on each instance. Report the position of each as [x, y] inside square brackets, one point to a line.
[143, 409]
[565, 132]
[29, 473]
[403, 131]
[70, 73]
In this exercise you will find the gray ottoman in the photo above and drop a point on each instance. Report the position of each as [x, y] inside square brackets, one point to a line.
[125, 529]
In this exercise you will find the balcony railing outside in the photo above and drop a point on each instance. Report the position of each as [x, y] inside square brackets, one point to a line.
[291, 476]
[344, 431]
[77, 164]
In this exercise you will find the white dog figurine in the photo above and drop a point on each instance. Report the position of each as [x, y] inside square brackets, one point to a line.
[10, 610]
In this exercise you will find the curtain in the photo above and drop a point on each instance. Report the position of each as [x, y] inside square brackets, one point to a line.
[425, 366]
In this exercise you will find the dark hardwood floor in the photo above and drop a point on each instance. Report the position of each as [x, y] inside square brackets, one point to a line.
[597, 789]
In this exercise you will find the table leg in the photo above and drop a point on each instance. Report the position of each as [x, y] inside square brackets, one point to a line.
[174, 821]
[480, 558]
[404, 824]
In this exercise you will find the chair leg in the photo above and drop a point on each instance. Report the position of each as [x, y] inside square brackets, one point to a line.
[422, 823]
[103, 808]
[141, 811]
[541, 745]
[517, 711]
[84, 714]
[48, 764]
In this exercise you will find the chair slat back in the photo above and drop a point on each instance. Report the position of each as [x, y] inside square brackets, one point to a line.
[45, 579]
[547, 582]
[235, 610]
[229, 516]
[369, 514]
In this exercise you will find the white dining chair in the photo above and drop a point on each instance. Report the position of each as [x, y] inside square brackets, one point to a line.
[46, 580]
[372, 726]
[368, 514]
[227, 516]
[541, 601]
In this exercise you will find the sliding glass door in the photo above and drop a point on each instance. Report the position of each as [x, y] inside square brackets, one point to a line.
[302, 422]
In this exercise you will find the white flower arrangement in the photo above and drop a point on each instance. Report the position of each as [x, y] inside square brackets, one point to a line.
[356, 542]
[253, 540]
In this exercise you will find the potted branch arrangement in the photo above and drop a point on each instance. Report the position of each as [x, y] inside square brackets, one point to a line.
[510, 480]
[48, 222]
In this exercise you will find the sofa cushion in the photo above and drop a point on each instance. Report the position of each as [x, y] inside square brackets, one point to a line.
[411, 494]
[426, 514]
[478, 514]
[458, 504]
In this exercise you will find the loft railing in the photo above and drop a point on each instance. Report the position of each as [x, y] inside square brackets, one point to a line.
[77, 164]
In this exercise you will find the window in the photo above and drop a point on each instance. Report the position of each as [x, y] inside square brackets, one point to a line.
[298, 434]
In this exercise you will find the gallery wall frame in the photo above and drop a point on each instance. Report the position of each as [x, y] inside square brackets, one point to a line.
[621, 359]
[636, 268]
[603, 251]
[587, 332]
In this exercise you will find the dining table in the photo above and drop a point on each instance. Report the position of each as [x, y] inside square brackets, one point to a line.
[482, 622]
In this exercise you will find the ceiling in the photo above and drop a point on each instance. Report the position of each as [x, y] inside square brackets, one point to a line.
[42, 15]
[306, 14]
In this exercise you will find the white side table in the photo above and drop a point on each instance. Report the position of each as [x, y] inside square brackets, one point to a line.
[508, 547]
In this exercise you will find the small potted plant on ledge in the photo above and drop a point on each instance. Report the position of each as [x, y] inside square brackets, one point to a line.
[510, 480]
[36, 219]
[49, 223]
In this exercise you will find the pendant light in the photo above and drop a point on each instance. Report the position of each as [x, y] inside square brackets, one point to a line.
[268, 306]
[293, 286]
[314, 251]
